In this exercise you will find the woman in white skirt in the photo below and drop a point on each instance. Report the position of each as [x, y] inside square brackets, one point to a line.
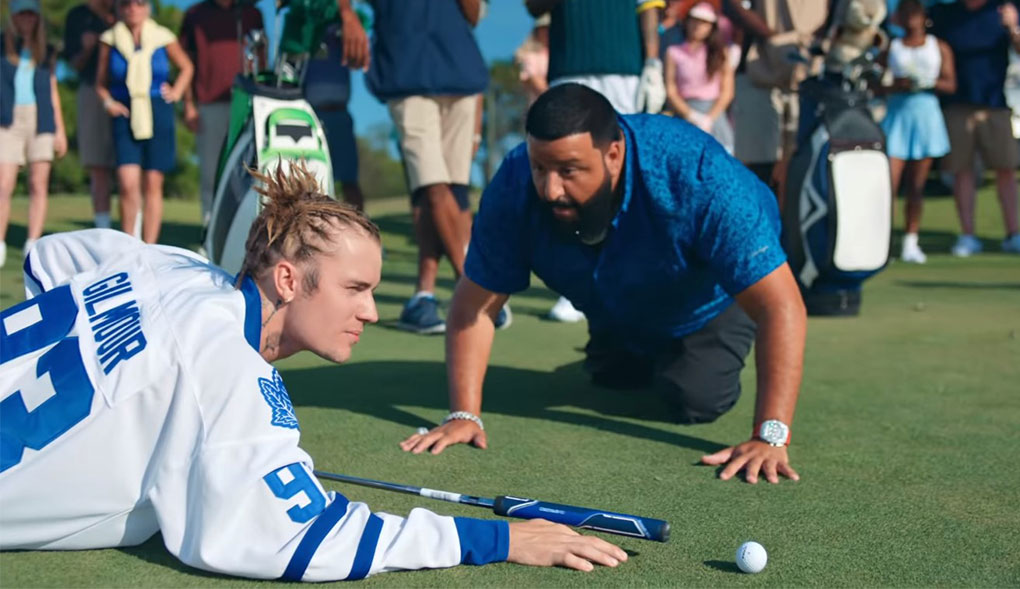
[915, 131]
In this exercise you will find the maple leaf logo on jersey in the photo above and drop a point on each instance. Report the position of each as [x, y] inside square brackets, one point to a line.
[276, 395]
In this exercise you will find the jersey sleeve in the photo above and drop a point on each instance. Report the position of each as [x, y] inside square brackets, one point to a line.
[738, 226]
[249, 505]
[55, 259]
[498, 257]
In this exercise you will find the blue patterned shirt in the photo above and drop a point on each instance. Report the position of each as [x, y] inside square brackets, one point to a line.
[695, 227]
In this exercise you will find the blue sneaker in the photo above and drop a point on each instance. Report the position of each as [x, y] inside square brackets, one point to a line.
[504, 318]
[421, 316]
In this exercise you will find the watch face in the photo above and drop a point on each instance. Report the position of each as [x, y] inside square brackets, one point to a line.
[774, 432]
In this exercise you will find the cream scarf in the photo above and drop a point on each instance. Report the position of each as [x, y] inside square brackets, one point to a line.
[139, 69]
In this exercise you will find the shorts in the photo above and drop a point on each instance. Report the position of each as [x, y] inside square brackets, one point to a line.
[461, 194]
[698, 374]
[620, 90]
[765, 122]
[436, 138]
[95, 135]
[158, 153]
[979, 129]
[20, 144]
[343, 148]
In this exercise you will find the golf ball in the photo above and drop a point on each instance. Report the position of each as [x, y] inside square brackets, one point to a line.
[751, 557]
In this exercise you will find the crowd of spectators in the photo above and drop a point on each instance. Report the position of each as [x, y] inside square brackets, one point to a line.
[722, 65]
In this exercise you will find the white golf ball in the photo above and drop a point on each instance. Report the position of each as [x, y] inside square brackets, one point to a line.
[751, 557]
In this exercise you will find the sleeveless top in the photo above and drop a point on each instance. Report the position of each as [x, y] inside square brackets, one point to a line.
[921, 63]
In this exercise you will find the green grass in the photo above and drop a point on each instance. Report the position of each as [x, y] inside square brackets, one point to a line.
[906, 436]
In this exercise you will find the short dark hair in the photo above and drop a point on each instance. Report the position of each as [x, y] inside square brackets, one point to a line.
[911, 7]
[571, 109]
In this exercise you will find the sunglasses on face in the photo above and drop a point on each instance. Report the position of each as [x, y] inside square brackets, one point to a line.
[126, 3]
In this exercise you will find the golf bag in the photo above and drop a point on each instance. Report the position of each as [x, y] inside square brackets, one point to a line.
[837, 215]
[271, 125]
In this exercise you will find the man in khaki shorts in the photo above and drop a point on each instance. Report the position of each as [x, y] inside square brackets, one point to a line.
[980, 33]
[427, 68]
[82, 28]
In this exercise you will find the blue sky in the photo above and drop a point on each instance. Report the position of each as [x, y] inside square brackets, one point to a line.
[499, 34]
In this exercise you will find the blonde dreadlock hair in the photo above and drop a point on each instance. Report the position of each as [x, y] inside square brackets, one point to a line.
[297, 222]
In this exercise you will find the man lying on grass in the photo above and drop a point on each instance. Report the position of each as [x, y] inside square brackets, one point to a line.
[650, 228]
[138, 397]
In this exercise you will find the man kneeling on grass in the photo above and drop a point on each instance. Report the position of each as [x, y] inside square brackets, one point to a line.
[650, 228]
[138, 397]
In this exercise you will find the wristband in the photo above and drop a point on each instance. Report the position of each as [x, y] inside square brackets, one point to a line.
[108, 103]
[466, 416]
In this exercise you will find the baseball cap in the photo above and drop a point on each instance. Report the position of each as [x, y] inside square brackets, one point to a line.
[703, 11]
[24, 6]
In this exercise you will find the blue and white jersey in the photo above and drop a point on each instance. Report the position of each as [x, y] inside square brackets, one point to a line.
[134, 400]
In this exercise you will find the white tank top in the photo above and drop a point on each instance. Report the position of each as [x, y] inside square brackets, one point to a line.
[921, 63]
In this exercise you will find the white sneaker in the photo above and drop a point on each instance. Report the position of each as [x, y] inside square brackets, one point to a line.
[29, 243]
[1011, 245]
[564, 312]
[966, 246]
[3, 253]
[912, 253]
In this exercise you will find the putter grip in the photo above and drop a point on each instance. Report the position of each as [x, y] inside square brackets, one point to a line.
[582, 517]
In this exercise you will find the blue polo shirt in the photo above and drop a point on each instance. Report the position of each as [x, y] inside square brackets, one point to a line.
[424, 48]
[980, 47]
[695, 227]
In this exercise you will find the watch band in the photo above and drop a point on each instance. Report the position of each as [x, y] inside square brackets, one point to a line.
[466, 416]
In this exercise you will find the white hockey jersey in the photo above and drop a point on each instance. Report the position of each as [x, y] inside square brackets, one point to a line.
[133, 399]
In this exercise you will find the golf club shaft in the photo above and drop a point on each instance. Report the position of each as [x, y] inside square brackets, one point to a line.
[409, 489]
[571, 515]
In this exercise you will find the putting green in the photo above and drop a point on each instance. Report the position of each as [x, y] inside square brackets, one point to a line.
[905, 436]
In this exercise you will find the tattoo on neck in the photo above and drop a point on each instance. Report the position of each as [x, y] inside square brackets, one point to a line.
[272, 344]
[276, 308]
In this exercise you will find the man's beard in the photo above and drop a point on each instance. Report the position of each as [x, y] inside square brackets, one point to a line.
[593, 218]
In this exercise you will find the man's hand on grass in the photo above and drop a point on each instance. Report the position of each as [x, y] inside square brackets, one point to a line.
[457, 431]
[539, 542]
[753, 457]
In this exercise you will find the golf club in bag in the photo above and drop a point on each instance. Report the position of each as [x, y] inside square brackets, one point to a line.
[271, 125]
[837, 214]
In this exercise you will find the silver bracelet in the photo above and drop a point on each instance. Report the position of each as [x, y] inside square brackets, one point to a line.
[466, 416]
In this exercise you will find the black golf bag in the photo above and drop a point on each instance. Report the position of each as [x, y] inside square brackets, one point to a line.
[837, 215]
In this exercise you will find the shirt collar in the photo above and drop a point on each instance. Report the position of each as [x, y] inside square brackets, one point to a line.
[252, 312]
[627, 174]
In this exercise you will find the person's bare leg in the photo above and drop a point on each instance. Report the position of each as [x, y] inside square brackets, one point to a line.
[100, 186]
[916, 179]
[38, 193]
[963, 192]
[429, 248]
[448, 223]
[8, 180]
[896, 167]
[129, 177]
[152, 217]
[1006, 184]
[352, 195]
[466, 221]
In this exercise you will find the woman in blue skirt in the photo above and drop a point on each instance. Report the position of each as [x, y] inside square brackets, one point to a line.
[921, 66]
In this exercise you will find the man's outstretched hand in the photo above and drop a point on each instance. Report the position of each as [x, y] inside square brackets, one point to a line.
[753, 457]
[457, 431]
[538, 542]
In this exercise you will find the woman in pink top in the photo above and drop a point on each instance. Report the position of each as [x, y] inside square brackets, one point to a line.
[699, 78]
